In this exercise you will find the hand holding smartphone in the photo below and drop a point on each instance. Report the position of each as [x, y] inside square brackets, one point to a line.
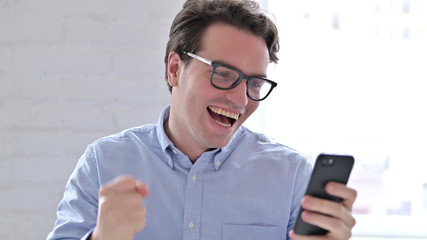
[327, 168]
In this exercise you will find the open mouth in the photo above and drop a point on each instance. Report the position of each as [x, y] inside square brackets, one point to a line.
[223, 117]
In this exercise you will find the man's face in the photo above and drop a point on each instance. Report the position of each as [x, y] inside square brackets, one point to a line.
[202, 116]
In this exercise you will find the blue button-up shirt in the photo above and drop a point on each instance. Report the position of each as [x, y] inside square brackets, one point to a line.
[250, 189]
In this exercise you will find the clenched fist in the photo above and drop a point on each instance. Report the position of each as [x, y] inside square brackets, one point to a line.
[121, 213]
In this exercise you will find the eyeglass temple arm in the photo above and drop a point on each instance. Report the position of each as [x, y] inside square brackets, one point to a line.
[207, 61]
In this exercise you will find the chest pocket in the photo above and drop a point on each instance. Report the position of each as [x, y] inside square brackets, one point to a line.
[250, 232]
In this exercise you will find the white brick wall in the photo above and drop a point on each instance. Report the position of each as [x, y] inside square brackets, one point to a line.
[70, 72]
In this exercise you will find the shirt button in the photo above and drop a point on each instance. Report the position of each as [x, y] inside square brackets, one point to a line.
[218, 163]
[174, 151]
[194, 178]
[191, 225]
[170, 163]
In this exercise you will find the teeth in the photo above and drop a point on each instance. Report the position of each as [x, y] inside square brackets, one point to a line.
[223, 124]
[224, 112]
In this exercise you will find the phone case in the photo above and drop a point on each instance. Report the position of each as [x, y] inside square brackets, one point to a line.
[327, 168]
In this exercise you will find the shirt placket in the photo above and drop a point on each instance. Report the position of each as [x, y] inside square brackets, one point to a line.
[192, 206]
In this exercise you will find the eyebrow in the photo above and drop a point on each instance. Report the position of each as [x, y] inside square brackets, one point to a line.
[210, 62]
[252, 75]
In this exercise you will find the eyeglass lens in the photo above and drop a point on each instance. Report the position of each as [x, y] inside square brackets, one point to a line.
[226, 78]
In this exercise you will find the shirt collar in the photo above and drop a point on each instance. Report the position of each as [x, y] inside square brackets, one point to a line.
[220, 155]
[165, 142]
[224, 153]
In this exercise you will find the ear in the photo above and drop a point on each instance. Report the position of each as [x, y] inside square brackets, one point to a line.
[174, 65]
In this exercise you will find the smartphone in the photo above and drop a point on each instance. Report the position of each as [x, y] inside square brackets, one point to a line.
[327, 168]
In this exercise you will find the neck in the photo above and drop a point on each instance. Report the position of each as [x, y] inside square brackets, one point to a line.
[192, 152]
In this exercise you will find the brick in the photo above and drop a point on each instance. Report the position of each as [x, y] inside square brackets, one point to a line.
[136, 62]
[23, 24]
[130, 116]
[28, 198]
[75, 143]
[29, 143]
[37, 224]
[71, 73]
[42, 170]
[6, 173]
[40, 116]
[52, 116]
[67, 59]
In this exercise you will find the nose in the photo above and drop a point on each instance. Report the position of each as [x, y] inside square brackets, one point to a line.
[238, 94]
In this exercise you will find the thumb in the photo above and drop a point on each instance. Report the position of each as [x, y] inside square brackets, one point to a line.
[142, 188]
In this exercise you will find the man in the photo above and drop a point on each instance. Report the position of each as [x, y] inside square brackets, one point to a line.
[197, 173]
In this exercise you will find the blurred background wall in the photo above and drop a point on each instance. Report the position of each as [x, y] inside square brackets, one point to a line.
[70, 72]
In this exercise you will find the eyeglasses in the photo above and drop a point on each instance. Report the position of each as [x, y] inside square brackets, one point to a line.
[226, 77]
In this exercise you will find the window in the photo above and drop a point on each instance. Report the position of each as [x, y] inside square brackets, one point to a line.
[352, 79]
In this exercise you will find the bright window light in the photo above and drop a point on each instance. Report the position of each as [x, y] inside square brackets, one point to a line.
[352, 79]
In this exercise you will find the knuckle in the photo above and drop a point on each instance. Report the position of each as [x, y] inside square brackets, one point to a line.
[104, 203]
[135, 199]
[339, 224]
[128, 180]
[141, 224]
[102, 191]
[353, 222]
[138, 210]
[354, 193]
[347, 235]
[342, 210]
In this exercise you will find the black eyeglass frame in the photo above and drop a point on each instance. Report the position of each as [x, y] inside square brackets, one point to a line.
[235, 83]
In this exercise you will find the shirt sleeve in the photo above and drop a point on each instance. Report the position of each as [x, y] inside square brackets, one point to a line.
[77, 212]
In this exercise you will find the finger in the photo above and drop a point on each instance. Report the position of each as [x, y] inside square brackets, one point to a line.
[142, 188]
[120, 205]
[120, 202]
[337, 229]
[130, 220]
[320, 205]
[327, 207]
[294, 236]
[139, 217]
[133, 216]
[341, 190]
[128, 200]
[121, 184]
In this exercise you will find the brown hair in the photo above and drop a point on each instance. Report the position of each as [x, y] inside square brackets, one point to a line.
[197, 15]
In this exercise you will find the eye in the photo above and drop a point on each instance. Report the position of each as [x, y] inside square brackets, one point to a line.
[221, 74]
[256, 83]
[225, 74]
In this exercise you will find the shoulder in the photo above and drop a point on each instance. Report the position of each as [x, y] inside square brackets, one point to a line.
[128, 137]
[125, 152]
[130, 134]
[259, 146]
[261, 142]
